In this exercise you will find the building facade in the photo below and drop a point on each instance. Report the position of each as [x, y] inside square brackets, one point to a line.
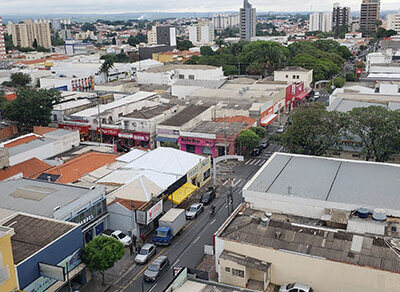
[294, 74]
[393, 22]
[248, 20]
[340, 16]
[369, 16]
[320, 22]
[8, 279]
[3, 55]
[162, 35]
[25, 34]
[223, 21]
[201, 33]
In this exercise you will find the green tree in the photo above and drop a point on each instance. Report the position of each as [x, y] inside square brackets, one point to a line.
[351, 76]
[114, 41]
[135, 40]
[206, 51]
[256, 68]
[88, 26]
[339, 82]
[377, 130]
[107, 65]
[313, 131]
[8, 43]
[248, 139]
[260, 131]
[170, 145]
[101, 254]
[56, 41]
[18, 79]
[184, 45]
[42, 49]
[230, 70]
[32, 107]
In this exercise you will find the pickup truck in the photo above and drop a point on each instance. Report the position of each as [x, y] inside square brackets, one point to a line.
[170, 225]
[118, 235]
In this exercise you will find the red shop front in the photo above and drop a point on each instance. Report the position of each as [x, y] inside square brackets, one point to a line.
[135, 139]
[295, 94]
[109, 135]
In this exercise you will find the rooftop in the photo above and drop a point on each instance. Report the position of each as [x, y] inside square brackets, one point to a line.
[235, 119]
[20, 141]
[38, 197]
[149, 112]
[219, 128]
[200, 83]
[185, 115]
[33, 233]
[294, 68]
[72, 170]
[307, 237]
[28, 168]
[359, 183]
[171, 67]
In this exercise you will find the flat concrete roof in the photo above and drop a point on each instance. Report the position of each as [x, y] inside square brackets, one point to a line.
[219, 128]
[149, 112]
[200, 83]
[370, 184]
[185, 115]
[167, 68]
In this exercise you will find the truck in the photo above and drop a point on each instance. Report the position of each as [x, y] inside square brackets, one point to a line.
[170, 225]
[118, 235]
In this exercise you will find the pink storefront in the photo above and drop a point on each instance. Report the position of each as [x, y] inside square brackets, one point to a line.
[200, 146]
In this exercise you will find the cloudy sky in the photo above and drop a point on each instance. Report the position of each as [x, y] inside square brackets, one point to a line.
[18, 7]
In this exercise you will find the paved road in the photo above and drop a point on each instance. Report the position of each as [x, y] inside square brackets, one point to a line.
[188, 249]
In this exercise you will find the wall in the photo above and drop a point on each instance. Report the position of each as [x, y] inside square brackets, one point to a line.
[121, 218]
[64, 143]
[4, 158]
[321, 274]
[28, 270]
[8, 132]
[160, 78]
[306, 77]
[7, 264]
[183, 91]
[44, 151]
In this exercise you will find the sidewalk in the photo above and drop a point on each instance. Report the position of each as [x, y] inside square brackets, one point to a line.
[112, 275]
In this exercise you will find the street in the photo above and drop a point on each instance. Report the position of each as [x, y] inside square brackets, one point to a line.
[187, 249]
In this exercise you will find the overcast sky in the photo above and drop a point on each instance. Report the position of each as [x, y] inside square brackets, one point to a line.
[127, 6]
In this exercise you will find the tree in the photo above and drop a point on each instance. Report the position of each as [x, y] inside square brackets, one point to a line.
[313, 131]
[18, 79]
[8, 42]
[351, 76]
[184, 45]
[56, 41]
[42, 49]
[256, 68]
[88, 26]
[32, 107]
[206, 51]
[248, 139]
[107, 65]
[383, 33]
[229, 70]
[114, 41]
[101, 254]
[339, 82]
[376, 130]
[260, 131]
[170, 145]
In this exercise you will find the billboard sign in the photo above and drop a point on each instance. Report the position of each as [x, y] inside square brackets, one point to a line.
[52, 272]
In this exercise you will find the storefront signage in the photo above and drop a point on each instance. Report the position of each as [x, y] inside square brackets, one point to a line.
[154, 211]
[166, 131]
[141, 217]
[52, 272]
[81, 129]
[206, 163]
[141, 137]
[126, 135]
[111, 132]
[196, 141]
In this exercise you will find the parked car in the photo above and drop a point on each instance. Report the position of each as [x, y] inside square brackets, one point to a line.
[295, 287]
[317, 95]
[194, 210]
[255, 152]
[281, 129]
[264, 144]
[156, 268]
[118, 235]
[207, 197]
[146, 252]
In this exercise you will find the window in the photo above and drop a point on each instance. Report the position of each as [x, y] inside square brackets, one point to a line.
[181, 76]
[238, 273]
[294, 76]
[191, 77]
[227, 269]
[206, 174]
[287, 76]
[298, 76]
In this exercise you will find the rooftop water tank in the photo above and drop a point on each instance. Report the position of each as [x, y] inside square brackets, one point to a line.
[379, 215]
[363, 213]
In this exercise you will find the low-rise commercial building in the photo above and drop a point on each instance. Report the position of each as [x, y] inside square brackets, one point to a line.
[291, 229]
[8, 277]
[294, 74]
[183, 88]
[45, 253]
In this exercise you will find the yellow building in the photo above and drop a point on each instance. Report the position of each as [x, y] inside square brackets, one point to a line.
[8, 279]
[166, 57]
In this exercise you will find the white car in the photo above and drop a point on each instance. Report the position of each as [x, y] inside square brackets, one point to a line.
[295, 287]
[146, 252]
[281, 129]
[316, 95]
[121, 237]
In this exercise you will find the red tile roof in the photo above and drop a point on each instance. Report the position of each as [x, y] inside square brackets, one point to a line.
[21, 141]
[28, 168]
[43, 130]
[129, 204]
[10, 97]
[39, 61]
[235, 119]
[74, 169]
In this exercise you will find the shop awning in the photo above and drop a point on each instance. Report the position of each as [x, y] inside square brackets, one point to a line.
[166, 139]
[182, 193]
[265, 121]
[302, 95]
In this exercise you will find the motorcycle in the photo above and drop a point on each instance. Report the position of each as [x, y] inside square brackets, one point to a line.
[212, 211]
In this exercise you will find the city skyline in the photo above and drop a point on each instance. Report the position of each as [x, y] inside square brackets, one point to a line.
[18, 7]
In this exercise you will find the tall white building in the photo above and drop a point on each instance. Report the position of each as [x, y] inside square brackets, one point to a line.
[201, 33]
[393, 22]
[321, 22]
[223, 21]
[248, 20]
[3, 55]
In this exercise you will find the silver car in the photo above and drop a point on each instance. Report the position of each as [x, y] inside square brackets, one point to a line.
[156, 269]
[295, 287]
[146, 252]
[194, 210]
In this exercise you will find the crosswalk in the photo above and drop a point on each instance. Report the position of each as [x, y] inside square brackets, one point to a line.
[255, 162]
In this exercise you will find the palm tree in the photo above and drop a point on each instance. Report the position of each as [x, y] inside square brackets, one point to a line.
[107, 65]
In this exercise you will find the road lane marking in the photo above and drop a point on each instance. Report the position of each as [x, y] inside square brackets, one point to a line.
[196, 239]
[237, 182]
[174, 264]
[212, 222]
[144, 268]
[151, 289]
[225, 182]
[248, 161]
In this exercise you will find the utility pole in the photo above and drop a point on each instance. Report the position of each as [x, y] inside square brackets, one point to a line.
[99, 118]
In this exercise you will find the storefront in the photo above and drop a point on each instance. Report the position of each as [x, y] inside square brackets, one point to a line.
[165, 135]
[272, 113]
[295, 95]
[108, 135]
[83, 130]
[202, 146]
[135, 139]
[147, 217]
